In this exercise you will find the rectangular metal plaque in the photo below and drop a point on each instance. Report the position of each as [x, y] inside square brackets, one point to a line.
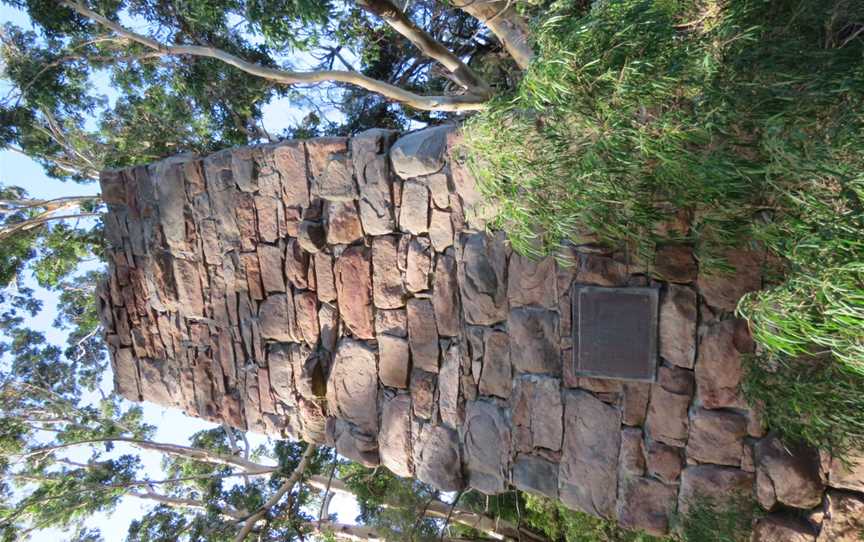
[615, 333]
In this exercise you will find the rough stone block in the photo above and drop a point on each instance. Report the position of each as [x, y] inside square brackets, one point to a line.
[534, 344]
[486, 438]
[536, 475]
[352, 387]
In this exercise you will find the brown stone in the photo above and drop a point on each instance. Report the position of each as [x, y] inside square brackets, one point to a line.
[376, 205]
[445, 296]
[719, 485]
[717, 437]
[281, 373]
[423, 335]
[534, 340]
[353, 443]
[675, 263]
[667, 419]
[419, 265]
[440, 230]
[496, 375]
[270, 261]
[635, 407]
[719, 369]
[487, 446]
[677, 326]
[343, 222]
[423, 393]
[600, 271]
[782, 528]
[723, 289]
[631, 460]
[849, 475]
[537, 411]
[844, 518]
[388, 291]
[324, 280]
[664, 462]
[328, 324]
[437, 183]
[354, 290]
[312, 236]
[392, 322]
[306, 305]
[352, 386]
[297, 265]
[536, 475]
[414, 213]
[588, 475]
[290, 160]
[421, 152]
[393, 363]
[449, 400]
[436, 453]
[321, 150]
[394, 438]
[277, 319]
[336, 181]
[482, 281]
[788, 475]
[532, 282]
[646, 505]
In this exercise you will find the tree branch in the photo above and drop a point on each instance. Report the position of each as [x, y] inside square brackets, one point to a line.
[274, 499]
[396, 18]
[507, 25]
[392, 92]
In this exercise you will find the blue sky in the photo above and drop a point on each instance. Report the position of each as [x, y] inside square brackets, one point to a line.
[172, 425]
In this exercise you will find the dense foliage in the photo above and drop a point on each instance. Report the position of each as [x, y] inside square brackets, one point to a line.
[744, 120]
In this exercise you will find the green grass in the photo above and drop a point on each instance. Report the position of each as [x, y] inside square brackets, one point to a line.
[723, 520]
[744, 117]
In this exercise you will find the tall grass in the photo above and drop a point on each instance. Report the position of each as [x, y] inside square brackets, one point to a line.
[745, 117]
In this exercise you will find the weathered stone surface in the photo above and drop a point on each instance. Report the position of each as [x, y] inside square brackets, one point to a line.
[647, 505]
[414, 213]
[600, 271]
[635, 405]
[440, 230]
[723, 289]
[677, 326]
[376, 205]
[664, 462]
[789, 475]
[445, 294]
[486, 438]
[297, 265]
[438, 186]
[449, 401]
[328, 324]
[394, 439]
[352, 387]
[388, 291]
[354, 290]
[393, 361]
[352, 443]
[423, 393]
[392, 322]
[325, 281]
[281, 373]
[667, 419]
[419, 264]
[277, 319]
[631, 461]
[436, 458]
[322, 150]
[270, 261]
[719, 369]
[420, 153]
[343, 222]
[846, 476]
[536, 475]
[844, 518]
[675, 263]
[423, 335]
[496, 376]
[719, 484]
[312, 236]
[717, 437]
[537, 413]
[531, 282]
[588, 475]
[482, 281]
[782, 528]
[534, 340]
[306, 306]
[336, 181]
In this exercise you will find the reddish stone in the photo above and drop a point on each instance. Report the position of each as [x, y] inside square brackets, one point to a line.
[414, 214]
[343, 222]
[531, 282]
[306, 304]
[537, 413]
[677, 326]
[419, 264]
[675, 263]
[388, 291]
[664, 462]
[717, 437]
[440, 230]
[352, 386]
[719, 369]
[423, 394]
[646, 505]
[296, 265]
[723, 289]
[422, 335]
[270, 261]
[496, 376]
[393, 361]
[324, 279]
[354, 289]
[445, 296]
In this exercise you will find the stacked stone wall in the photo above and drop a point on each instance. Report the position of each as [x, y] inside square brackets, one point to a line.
[346, 292]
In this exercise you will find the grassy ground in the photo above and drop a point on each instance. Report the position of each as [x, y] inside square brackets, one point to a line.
[745, 118]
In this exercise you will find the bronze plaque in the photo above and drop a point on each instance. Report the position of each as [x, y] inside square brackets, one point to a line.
[615, 333]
